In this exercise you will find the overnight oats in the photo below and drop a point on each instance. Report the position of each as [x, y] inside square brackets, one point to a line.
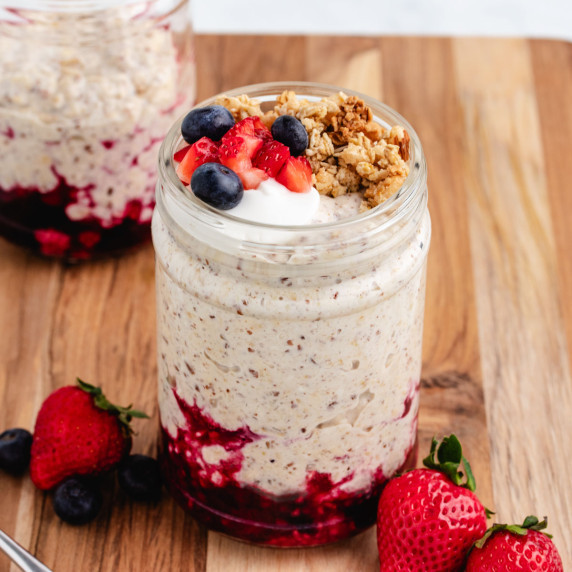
[290, 294]
[88, 91]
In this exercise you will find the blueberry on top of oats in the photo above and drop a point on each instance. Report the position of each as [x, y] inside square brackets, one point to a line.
[289, 130]
[212, 121]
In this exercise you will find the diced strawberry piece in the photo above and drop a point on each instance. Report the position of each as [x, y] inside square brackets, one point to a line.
[252, 126]
[296, 175]
[264, 134]
[260, 130]
[236, 152]
[243, 127]
[271, 157]
[179, 155]
[202, 151]
[252, 177]
[258, 123]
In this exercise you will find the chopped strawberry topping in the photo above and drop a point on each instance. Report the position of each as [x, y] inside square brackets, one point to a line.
[202, 151]
[179, 155]
[260, 130]
[296, 175]
[236, 152]
[252, 177]
[271, 157]
[252, 126]
[264, 134]
[249, 149]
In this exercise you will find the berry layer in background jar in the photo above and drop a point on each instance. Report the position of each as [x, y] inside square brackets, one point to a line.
[289, 357]
[86, 98]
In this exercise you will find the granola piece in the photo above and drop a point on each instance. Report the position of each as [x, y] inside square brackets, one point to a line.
[334, 180]
[316, 110]
[241, 106]
[287, 103]
[379, 167]
[316, 164]
[399, 136]
[312, 124]
[373, 130]
[349, 179]
[320, 146]
[333, 104]
[269, 117]
[354, 117]
[378, 193]
[356, 151]
[326, 182]
[314, 115]
[392, 156]
[370, 172]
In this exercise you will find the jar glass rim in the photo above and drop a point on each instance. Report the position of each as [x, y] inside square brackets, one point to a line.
[382, 215]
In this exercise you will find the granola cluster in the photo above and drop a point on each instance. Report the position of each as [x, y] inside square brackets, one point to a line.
[348, 151]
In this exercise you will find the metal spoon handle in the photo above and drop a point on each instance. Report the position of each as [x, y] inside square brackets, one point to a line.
[20, 556]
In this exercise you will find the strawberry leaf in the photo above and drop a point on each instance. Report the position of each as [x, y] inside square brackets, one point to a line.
[124, 414]
[88, 388]
[471, 482]
[531, 522]
[514, 528]
[449, 458]
[482, 541]
[450, 450]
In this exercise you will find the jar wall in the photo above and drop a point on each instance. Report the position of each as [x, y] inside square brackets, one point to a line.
[86, 97]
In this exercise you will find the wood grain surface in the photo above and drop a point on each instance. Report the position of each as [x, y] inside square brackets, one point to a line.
[495, 120]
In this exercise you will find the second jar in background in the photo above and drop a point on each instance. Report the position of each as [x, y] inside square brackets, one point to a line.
[87, 93]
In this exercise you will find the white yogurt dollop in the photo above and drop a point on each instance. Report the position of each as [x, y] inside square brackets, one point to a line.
[273, 203]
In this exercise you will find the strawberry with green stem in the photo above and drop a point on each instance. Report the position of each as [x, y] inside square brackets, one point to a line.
[429, 518]
[78, 432]
[515, 548]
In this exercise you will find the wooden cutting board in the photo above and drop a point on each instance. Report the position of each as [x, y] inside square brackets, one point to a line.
[495, 119]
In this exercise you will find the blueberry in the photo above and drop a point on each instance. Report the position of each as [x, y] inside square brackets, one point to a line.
[15, 447]
[217, 185]
[139, 476]
[77, 500]
[212, 121]
[289, 131]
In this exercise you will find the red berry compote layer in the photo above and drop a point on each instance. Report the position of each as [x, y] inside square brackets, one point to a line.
[321, 512]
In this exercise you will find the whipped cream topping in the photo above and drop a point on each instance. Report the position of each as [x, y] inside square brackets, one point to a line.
[273, 203]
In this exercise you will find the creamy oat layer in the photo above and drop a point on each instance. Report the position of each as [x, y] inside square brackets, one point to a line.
[324, 370]
[87, 101]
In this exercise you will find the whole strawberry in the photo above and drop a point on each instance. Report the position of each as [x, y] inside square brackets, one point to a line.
[78, 432]
[514, 548]
[429, 518]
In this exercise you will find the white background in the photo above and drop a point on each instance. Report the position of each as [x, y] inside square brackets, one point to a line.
[531, 18]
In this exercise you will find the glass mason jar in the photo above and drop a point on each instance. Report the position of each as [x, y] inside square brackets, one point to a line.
[289, 357]
[88, 90]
